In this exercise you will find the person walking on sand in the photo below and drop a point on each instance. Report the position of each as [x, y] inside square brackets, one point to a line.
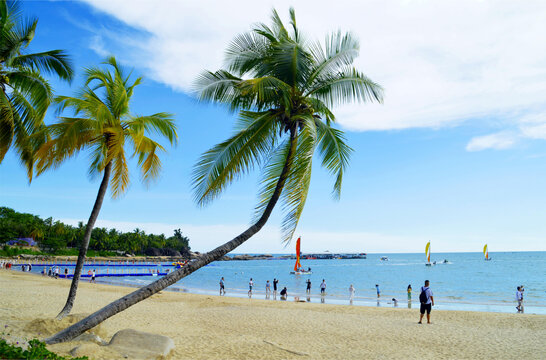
[351, 293]
[308, 290]
[222, 288]
[93, 274]
[427, 302]
[250, 285]
[378, 291]
[323, 287]
[409, 292]
[519, 299]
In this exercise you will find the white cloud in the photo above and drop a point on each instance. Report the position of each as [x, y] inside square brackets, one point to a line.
[441, 62]
[534, 131]
[498, 141]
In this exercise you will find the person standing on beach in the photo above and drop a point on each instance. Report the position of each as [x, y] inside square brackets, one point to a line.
[351, 293]
[267, 288]
[409, 292]
[275, 282]
[222, 288]
[250, 285]
[427, 302]
[308, 286]
[323, 287]
[378, 291]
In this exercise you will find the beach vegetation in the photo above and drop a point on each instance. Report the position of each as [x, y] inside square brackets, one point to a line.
[25, 94]
[58, 238]
[283, 87]
[102, 124]
[36, 350]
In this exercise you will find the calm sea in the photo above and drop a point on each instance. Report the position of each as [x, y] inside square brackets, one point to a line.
[466, 282]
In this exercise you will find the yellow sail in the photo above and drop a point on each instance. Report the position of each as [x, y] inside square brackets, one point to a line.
[485, 252]
[427, 251]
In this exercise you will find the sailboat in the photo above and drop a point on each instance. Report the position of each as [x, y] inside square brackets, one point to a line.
[298, 270]
[486, 253]
[427, 253]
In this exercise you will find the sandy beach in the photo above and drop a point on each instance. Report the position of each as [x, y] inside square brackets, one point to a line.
[213, 327]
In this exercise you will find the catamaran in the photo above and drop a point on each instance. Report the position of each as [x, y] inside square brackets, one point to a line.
[298, 269]
[427, 253]
[486, 253]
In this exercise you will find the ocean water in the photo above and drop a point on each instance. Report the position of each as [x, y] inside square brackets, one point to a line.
[466, 282]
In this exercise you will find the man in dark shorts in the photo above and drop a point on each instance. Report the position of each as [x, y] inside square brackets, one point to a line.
[222, 288]
[308, 285]
[427, 301]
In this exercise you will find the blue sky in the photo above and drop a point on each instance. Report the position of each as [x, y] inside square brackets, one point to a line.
[456, 154]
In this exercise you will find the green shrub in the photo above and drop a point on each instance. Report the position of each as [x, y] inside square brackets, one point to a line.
[36, 351]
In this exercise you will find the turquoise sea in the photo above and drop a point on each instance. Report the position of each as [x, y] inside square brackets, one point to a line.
[466, 282]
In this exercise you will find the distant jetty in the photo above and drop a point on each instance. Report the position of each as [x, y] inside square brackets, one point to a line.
[318, 256]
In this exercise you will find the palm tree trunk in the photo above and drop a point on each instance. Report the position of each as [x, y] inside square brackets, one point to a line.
[160, 284]
[85, 242]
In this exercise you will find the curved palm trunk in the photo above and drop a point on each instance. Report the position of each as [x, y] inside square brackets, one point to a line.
[85, 242]
[160, 284]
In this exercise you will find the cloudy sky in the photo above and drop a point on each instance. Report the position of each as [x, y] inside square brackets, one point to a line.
[455, 154]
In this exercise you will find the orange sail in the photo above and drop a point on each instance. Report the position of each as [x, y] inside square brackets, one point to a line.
[297, 266]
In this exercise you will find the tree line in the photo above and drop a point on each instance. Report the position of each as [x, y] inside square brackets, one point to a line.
[54, 236]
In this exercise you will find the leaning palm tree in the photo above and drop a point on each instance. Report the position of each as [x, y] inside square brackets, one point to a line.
[103, 124]
[24, 94]
[283, 86]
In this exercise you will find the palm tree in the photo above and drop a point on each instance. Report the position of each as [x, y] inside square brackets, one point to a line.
[24, 94]
[103, 124]
[283, 85]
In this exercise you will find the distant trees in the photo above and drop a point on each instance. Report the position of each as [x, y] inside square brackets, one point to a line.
[55, 236]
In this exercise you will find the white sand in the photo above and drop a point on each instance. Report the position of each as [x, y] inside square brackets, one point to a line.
[212, 327]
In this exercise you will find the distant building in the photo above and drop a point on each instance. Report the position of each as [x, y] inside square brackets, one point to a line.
[23, 242]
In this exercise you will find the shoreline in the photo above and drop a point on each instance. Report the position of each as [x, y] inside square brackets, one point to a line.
[204, 326]
[446, 303]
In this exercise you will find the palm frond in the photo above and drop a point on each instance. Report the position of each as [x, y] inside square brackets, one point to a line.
[53, 62]
[234, 157]
[68, 137]
[347, 86]
[335, 153]
[160, 123]
[32, 86]
[340, 50]
[6, 124]
[220, 86]
[148, 160]
[295, 192]
[246, 52]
